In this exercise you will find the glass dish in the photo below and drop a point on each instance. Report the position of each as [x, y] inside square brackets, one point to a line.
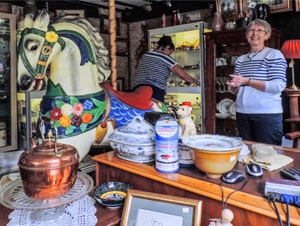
[13, 196]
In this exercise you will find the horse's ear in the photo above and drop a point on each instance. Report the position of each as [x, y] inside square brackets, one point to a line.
[42, 20]
[28, 21]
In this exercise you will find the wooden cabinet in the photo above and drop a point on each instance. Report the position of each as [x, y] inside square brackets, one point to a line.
[222, 48]
[8, 108]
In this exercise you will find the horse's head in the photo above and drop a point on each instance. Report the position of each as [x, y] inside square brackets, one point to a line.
[38, 44]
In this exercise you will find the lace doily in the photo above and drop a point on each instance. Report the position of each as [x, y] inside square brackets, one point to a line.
[78, 213]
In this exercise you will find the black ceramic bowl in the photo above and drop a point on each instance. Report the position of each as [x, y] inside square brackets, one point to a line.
[111, 194]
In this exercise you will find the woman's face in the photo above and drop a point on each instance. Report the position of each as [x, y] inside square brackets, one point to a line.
[257, 35]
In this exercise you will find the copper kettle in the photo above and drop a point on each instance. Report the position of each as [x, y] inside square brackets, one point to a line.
[48, 170]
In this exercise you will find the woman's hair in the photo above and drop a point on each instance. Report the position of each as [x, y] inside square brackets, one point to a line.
[260, 22]
[166, 41]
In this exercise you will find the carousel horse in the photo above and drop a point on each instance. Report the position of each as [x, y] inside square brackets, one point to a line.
[69, 60]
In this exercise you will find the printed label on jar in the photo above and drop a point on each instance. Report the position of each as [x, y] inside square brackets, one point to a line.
[167, 161]
[166, 134]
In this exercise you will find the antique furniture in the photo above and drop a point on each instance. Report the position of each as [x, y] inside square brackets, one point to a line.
[8, 103]
[294, 118]
[248, 203]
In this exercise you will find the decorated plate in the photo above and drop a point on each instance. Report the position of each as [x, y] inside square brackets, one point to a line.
[210, 142]
[223, 105]
[222, 115]
[111, 194]
[232, 108]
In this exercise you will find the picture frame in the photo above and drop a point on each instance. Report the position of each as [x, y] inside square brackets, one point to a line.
[227, 7]
[143, 208]
[63, 12]
[122, 46]
[5, 7]
[18, 11]
[104, 25]
[281, 6]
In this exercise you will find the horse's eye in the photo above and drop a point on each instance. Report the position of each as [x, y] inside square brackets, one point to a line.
[31, 45]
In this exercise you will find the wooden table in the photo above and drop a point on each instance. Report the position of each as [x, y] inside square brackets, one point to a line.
[248, 204]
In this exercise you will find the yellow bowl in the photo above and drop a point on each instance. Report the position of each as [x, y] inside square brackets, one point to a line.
[214, 154]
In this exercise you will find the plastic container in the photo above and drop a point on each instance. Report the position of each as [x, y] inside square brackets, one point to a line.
[166, 145]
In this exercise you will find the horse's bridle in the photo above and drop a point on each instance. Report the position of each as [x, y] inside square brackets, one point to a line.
[51, 38]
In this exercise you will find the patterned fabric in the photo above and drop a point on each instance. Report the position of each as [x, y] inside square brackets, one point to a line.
[74, 115]
[122, 112]
[80, 212]
[268, 65]
[154, 69]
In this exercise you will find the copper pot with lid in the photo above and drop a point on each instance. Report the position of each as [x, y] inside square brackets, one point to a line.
[48, 170]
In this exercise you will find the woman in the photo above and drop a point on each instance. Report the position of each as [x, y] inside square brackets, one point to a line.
[258, 81]
[155, 67]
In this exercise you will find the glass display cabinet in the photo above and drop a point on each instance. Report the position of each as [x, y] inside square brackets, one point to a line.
[8, 84]
[189, 53]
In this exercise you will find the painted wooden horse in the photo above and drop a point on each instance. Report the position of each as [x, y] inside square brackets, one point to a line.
[69, 60]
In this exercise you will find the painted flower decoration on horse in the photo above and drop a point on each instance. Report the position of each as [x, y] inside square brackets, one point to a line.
[51, 36]
[74, 116]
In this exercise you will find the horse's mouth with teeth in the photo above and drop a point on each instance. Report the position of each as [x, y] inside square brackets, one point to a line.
[27, 82]
[39, 84]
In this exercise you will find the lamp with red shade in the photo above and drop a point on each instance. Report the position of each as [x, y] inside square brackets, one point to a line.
[291, 50]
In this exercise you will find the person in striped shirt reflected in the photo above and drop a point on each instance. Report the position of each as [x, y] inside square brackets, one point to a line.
[155, 68]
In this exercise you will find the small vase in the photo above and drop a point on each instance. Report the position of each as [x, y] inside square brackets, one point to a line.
[217, 23]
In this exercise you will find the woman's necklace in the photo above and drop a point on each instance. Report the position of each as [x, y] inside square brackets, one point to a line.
[252, 55]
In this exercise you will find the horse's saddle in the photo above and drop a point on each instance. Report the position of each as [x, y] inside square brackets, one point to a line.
[140, 98]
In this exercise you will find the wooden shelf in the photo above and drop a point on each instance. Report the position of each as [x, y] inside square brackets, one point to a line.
[297, 120]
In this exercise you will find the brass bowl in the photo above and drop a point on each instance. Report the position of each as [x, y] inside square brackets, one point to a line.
[214, 154]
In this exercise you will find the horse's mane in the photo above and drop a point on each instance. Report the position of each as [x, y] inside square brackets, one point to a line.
[101, 53]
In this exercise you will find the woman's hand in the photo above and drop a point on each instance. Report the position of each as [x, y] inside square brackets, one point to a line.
[237, 81]
[234, 83]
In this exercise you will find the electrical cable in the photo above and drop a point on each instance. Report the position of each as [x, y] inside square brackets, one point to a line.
[287, 214]
[283, 198]
[224, 204]
[277, 213]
